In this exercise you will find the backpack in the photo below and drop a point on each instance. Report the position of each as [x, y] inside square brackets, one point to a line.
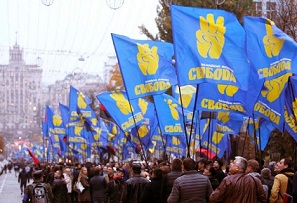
[290, 185]
[288, 196]
[39, 193]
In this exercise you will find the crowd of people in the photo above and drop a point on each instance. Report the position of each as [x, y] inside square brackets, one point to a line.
[179, 181]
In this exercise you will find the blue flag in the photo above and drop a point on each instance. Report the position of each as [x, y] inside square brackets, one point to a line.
[121, 109]
[169, 114]
[176, 145]
[146, 65]
[209, 47]
[54, 122]
[270, 50]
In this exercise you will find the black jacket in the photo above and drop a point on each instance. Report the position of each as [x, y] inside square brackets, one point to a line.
[167, 184]
[114, 192]
[135, 188]
[60, 191]
[151, 191]
[97, 187]
[23, 177]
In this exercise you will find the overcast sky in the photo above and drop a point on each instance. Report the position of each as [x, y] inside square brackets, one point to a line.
[67, 30]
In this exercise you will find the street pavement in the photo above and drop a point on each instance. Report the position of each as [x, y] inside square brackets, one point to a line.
[10, 191]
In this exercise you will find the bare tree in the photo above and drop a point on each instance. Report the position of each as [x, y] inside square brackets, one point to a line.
[286, 17]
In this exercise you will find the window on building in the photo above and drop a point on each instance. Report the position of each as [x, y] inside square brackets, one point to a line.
[258, 6]
[271, 10]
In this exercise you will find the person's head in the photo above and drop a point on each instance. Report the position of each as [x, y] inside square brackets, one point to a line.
[206, 171]
[38, 175]
[136, 169]
[177, 165]
[253, 166]
[157, 173]
[57, 174]
[110, 171]
[283, 164]
[217, 164]
[188, 164]
[96, 171]
[266, 173]
[239, 165]
[83, 172]
[67, 171]
[120, 173]
[202, 164]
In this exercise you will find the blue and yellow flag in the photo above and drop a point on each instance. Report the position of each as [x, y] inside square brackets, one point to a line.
[270, 50]
[121, 109]
[54, 122]
[80, 111]
[176, 145]
[209, 46]
[146, 65]
[215, 138]
[218, 97]
[290, 111]
[271, 101]
[169, 114]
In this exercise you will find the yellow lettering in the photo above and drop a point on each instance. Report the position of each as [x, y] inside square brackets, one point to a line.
[212, 105]
[151, 87]
[224, 74]
[275, 68]
[264, 110]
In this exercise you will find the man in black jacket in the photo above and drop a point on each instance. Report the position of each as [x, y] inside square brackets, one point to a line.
[169, 178]
[135, 185]
[97, 187]
[23, 179]
[59, 188]
[115, 189]
[151, 191]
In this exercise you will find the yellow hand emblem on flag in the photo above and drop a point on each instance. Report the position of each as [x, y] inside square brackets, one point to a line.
[210, 37]
[96, 136]
[142, 131]
[56, 138]
[77, 130]
[274, 87]
[121, 102]
[223, 116]
[152, 149]
[110, 136]
[81, 101]
[229, 90]
[114, 130]
[148, 59]
[272, 44]
[83, 146]
[94, 121]
[217, 137]
[57, 121]
[175, 141]
[187, 93]
[143, 105]
[172, 107]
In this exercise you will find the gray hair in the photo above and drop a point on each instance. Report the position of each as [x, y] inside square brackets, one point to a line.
[241, 162]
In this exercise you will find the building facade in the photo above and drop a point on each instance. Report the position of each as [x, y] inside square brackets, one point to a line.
[20, 90]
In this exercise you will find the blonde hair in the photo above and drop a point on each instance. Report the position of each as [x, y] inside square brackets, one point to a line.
[81, 173]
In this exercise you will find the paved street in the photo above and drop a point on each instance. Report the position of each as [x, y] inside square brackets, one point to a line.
[9, 188]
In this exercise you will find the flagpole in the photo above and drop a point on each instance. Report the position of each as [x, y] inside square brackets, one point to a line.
[188, 140]
[162, 136]
[208, 134]
[246, 134]
[255, 138]
[144, 155]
